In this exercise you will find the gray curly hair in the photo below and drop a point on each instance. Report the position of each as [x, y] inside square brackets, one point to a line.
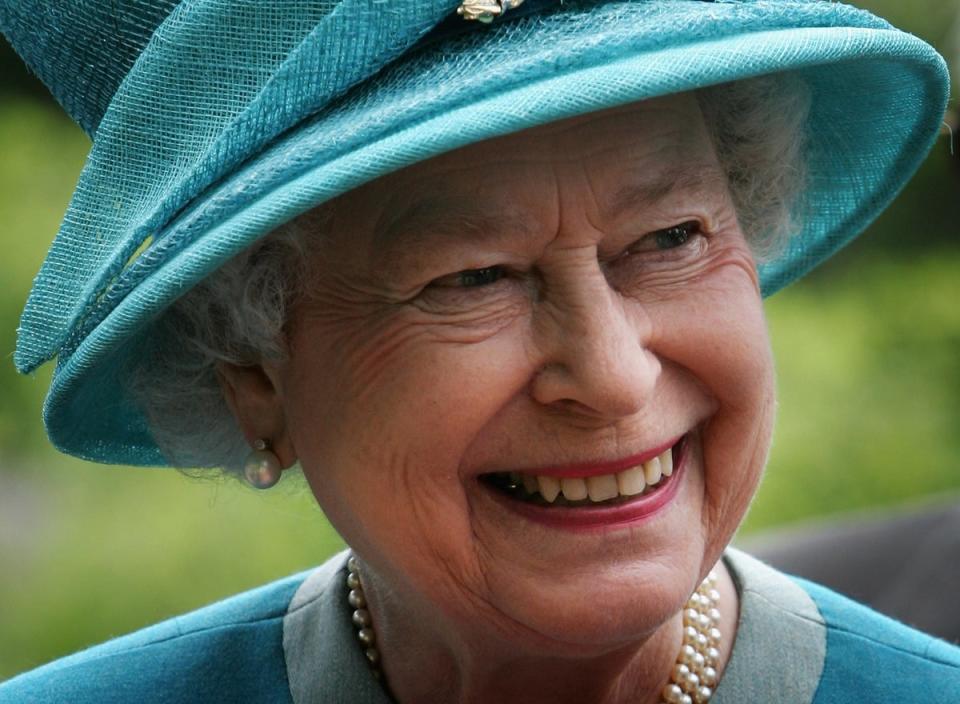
[238, 314]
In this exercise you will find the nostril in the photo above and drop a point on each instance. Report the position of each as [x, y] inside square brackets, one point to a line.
[570, 405]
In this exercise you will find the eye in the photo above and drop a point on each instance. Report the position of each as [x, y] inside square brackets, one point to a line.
[666, 243]
[471, 278]
[482, 291]
[675, 236]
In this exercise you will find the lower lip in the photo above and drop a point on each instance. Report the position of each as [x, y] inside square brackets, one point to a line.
[586, 518]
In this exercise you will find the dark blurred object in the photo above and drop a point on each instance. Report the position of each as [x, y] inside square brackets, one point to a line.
[15, 79]
[953, 126]
[906, 566]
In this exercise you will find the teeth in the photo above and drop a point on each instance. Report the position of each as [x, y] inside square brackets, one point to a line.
[574, 488]
[530, 483]
[651, 471]
[549, 488]
[666, 463]
[631, 482]
[602, 488]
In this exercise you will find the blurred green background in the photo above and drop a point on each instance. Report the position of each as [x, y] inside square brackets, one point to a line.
[868, 350]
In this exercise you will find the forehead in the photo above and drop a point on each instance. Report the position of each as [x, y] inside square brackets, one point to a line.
[626, 157]
[654, 132]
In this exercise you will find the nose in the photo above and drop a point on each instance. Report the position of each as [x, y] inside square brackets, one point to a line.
[592, 347]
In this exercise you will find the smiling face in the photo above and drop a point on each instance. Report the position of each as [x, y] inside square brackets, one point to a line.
[562, 303]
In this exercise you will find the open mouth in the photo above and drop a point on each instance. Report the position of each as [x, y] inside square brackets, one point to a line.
[596, 490]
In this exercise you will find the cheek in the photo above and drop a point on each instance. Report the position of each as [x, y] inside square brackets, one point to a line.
[718, 336]
[381, 415]
[737, 439]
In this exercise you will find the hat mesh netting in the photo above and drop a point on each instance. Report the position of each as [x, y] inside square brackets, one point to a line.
[209, 89]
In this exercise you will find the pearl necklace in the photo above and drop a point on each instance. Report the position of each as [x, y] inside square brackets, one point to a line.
[693, 677]
[361, 617]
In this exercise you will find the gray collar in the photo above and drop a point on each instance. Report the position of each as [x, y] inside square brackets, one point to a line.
[781, 641]
[324, 660]
[325, 663]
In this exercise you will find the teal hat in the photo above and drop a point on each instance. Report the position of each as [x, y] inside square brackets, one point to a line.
[214, 121]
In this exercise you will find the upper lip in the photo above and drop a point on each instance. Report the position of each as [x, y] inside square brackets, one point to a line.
[598, 467]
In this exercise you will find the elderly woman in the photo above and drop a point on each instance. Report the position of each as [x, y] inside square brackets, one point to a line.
[491, 275]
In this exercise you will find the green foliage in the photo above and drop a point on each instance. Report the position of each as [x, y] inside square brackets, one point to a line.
[43, 152]
[868, 352]
[89, 552]
[933, 20]
[869, 377]
[869, 389]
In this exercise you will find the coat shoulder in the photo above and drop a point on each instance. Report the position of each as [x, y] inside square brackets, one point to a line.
[227, 652]
[873, 658]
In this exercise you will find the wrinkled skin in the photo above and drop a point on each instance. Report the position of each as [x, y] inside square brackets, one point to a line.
[595, 336]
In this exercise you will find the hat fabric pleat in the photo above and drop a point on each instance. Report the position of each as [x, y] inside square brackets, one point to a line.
[208, 90]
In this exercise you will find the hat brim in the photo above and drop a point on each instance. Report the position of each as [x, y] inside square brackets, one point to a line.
[878, 100]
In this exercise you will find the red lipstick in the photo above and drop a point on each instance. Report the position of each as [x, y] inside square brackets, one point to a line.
[604, 516]
[591, 469]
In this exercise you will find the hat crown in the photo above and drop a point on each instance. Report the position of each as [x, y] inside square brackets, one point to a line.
[82, 49]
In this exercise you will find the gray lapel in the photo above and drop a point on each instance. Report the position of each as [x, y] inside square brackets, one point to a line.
[324, 660]
[781, 640]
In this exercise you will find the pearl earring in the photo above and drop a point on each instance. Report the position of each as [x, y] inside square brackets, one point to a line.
[262, 466]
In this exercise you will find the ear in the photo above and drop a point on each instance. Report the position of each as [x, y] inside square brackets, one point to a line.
[254, 395]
